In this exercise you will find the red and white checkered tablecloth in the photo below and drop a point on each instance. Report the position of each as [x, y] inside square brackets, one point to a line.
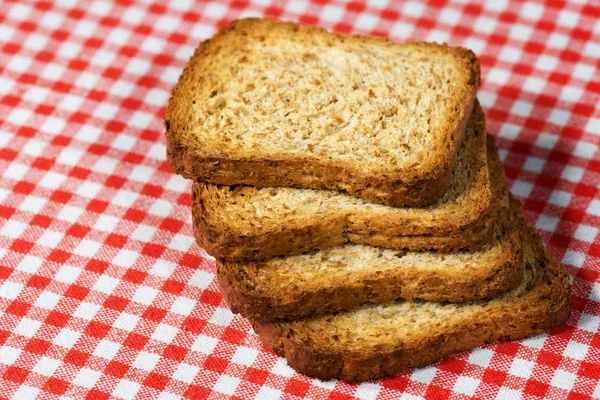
[103, 292]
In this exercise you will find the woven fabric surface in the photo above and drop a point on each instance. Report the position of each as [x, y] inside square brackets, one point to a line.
[103, 292]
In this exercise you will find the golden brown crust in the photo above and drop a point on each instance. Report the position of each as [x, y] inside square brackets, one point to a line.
[541, 306]
[245, 290]
[552, 310]
[246, 235]
[407, 187]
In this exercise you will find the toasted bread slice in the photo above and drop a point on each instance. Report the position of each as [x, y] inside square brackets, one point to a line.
[344, 277]
[376, 341]
[277, 104]
[244, 222]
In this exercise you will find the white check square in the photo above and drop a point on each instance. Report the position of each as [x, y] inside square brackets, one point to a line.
[563, 379]
[86, 310]
[585, 150]
[572, 174]
[205, 344]
[586, 233]
[466, 385]
[183, 306]
[546, 141]
[244, 356]
[106, 223]
[573, 258]
[571, 93]
[366, 22]
[568, 18]
[186, 372]
[165, 333]
[546, 63]
[53, 72]
[66, 338]
[594, 208]
[589, 323]
[520, 32]
[124, 198]
[50, 238]
[18, 12]
[521, 368]
[19, 63]
[121, 89]
[126, 389]
[69, 213]
[106, 284]
[126, 321]
[576, 350]
[87, 378]
[560, 198]
[509, 131]
[161, 208]
[534, 84]
[559, 117]
[145, 295]
[10, 290]
[47, 300]
[557, 41]
[227, 385]
[69, 156]
[266, 392]
[27, 327]
[8, 355]
[118, 36]
[52, 180]
[53, 125]
[107, 349]
[15, 171]
[143, 233]
[547, 223]
[46, 366]
[88, 134]
[510, 54]
[413, 8]
[125, 258]
[522, 108]
[67, 274]
[13, 229]
[30, 264]
[424, 375]
[222, 316]
[146, 361]
[532, 11]
[163, 268]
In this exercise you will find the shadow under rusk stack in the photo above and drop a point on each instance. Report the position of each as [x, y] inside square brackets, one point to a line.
[355, 205]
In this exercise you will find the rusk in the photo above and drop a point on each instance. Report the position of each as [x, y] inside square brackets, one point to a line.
[277, 104]
[376, 341]
[244, 222]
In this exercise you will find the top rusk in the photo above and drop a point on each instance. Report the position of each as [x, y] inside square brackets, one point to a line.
[271, 103]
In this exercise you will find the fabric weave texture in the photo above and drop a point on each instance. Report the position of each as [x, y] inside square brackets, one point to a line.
[103, 291]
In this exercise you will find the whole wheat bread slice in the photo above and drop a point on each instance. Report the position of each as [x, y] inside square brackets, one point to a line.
[244, 222]
[376, 341]
[344, 277]
[277, 104]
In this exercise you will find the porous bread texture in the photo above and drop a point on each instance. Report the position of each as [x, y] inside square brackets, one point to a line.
[344, 277]
[271, 103]
[376, 341]
[244, 222]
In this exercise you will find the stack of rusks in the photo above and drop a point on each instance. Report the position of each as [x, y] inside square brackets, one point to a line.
[355, 205]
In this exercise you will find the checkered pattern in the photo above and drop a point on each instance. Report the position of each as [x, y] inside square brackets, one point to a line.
[103, 292]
